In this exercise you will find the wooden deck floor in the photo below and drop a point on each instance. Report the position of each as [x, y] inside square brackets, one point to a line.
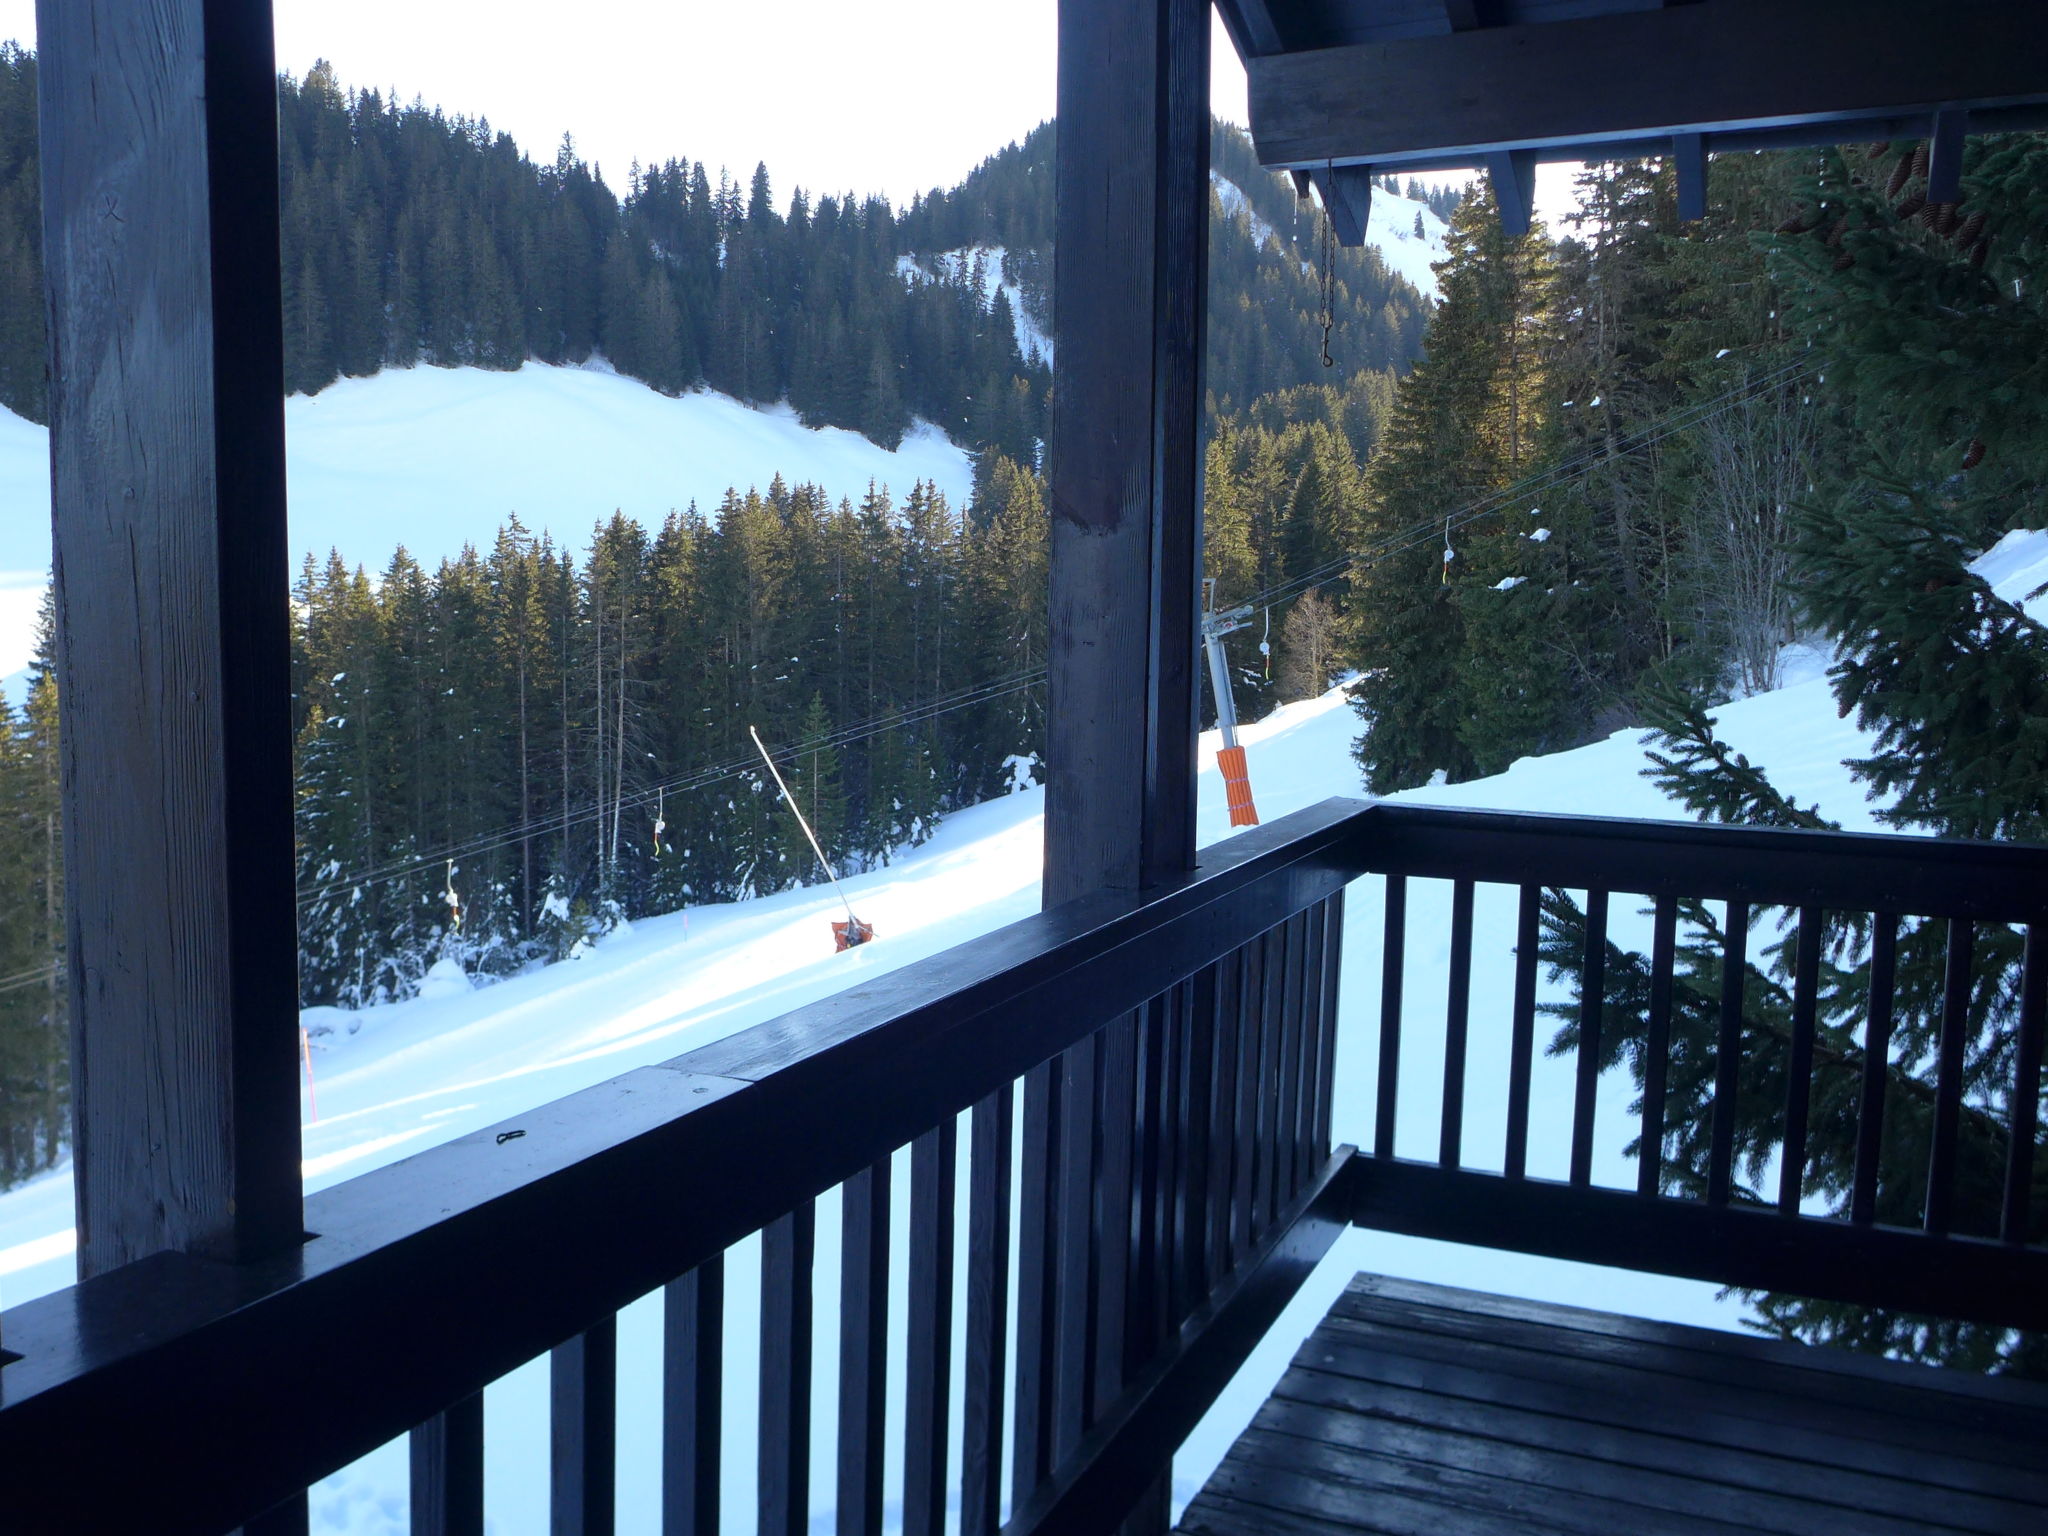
[1421, 1409]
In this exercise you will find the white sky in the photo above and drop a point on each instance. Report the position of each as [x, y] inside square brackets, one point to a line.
[893, 96]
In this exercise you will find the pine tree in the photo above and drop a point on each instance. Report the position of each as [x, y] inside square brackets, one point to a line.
[1466, 422]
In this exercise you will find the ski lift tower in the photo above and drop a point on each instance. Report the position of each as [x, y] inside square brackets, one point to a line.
[1237, 783]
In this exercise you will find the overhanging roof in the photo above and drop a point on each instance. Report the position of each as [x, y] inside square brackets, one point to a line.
[1341, 89]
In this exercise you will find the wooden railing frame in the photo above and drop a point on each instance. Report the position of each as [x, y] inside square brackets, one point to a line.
[462, 1263]
[457, 1265]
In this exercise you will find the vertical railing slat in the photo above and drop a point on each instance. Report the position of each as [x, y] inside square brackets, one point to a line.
[1522, 1030]
[1289, 936]
[788, 1247]
[1799, 1066]
[1245, 1115]
[863, 1348]
[1457, 1017]
[1657, 1048]
[2026, 1089]
[1326, 1055]
[1728, 1054]
[927, 1369]
[1392, 965]
[583, 1379]
[1266, 1186]
[988, 1310]
[1073, 1300]
[1198, 1084]
[1222, 1136]
[1877, 1048]
[1948, 1079]
[447, 1454]
[1037, 1282]
[1592, 1004]
[692, 1391]
[1121, 1186]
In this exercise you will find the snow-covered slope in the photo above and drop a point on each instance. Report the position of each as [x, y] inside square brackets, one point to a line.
[432, 458]
[1390, 229]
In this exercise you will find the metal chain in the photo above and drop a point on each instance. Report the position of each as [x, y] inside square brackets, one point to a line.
[1328, 283]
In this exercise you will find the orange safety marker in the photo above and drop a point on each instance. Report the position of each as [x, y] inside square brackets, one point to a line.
[1237, 787]
[306, 1051]
[1237, 779]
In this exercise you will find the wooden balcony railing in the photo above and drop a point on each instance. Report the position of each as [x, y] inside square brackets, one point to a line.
[1167, 1069]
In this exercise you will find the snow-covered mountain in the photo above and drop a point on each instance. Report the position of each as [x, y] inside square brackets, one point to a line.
[395, 1080]
[433, 458]
[1391, 229]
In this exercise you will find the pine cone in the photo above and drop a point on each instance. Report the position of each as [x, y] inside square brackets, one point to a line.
[1844, 262]
[1901, 174]
[1946, 217]
[1911, 206]
[1929, 214]
[1972, 230]
[1920, 161]
[1978, 252]
[1835, 230]
[1974, 454]
[1798, 224]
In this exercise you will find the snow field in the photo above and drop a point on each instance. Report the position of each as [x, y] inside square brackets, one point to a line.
[435, 458]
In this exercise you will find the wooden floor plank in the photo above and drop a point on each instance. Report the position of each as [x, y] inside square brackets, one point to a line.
[1719, 1412]
[1699, 1490]
[1358, 1379]
[1888, 1410]
[1418, 1410]
[2025, 1398]
[1306, 1476]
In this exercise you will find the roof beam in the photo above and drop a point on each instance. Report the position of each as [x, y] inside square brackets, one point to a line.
[1346, 191]
[1579, 85]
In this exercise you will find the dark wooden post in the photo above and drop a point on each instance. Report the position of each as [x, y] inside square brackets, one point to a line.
[160, 204]
[1129, 298]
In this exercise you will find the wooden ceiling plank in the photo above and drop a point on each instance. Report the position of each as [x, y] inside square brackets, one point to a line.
[1712, 67]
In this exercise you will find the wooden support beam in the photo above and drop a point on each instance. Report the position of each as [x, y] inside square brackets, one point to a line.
[1945, 155]
[1512, 173]
[1129, 317]
[160, 209]
[1649, 73]
[1347, 200]
[1689, 166]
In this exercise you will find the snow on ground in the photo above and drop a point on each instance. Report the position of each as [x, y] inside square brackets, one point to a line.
[396, 1080]
[433, 458]
[1391, 228]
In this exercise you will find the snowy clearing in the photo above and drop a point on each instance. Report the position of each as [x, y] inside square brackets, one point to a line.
[433, 458]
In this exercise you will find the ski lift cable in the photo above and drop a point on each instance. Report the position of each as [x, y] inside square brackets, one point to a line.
[790, 800]
[701, 778]
[1573, 469]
